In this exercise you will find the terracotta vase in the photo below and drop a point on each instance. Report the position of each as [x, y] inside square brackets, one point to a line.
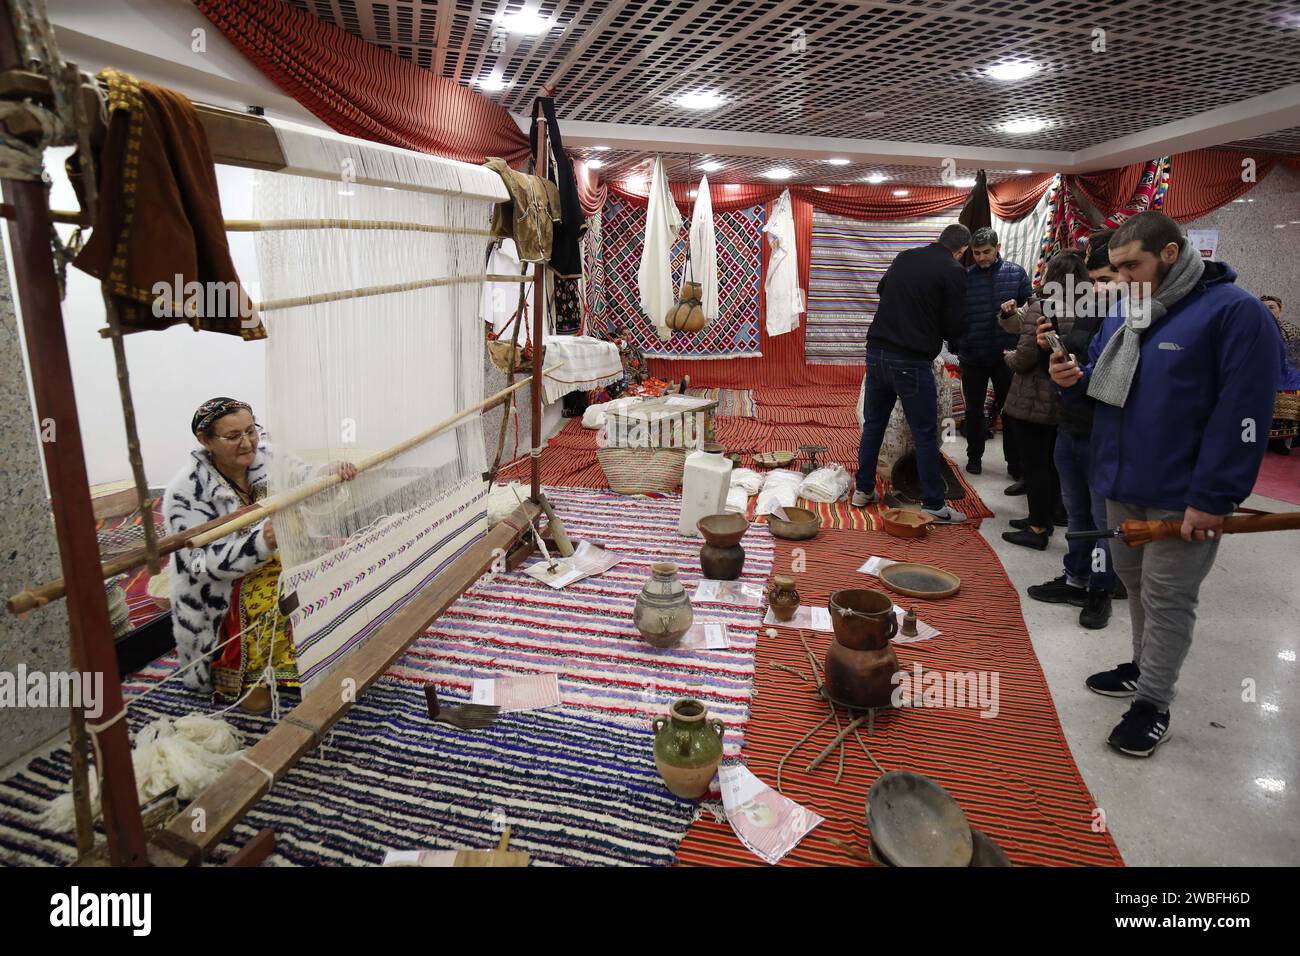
[663, 611]
[722, 558]
[782, 597]
[861, 663]
[688, 748]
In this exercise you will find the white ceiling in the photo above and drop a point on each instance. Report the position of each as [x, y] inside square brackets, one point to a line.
[891, 80]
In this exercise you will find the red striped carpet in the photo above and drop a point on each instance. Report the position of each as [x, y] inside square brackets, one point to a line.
[1013, 775]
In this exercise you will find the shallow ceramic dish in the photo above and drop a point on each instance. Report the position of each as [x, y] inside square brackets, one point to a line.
[800, 525]
[902, 523]
[723, 530]
[986, 852]
[774, 459]
[919, 580]
[915, 822]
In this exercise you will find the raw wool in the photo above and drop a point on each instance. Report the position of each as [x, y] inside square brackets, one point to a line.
[781, 489]
[827, 484]
[596, 415]
[349, 378]
[748, 479]
[737, 499]
[655, 276]
[784, 299]
[503, 500]
[704, 253]
[189, 753]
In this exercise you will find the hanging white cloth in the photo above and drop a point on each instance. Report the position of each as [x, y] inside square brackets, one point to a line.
[704, 252]
[784, 298]
[501, 299]
[663, 223]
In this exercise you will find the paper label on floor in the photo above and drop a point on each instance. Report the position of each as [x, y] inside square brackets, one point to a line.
[420, 858]
[769, 824]
[875, 565]
[923, 631]
[527, 692]
[587, 559]
[814, 618]
[728, 592]
[709, 635]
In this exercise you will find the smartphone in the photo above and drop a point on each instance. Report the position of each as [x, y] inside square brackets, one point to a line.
[1054, 341]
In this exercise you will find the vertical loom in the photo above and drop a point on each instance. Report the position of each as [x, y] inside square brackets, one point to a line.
[250, 142]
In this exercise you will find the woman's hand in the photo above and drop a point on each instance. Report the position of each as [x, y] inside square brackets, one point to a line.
[346, 470]
[1044, 326]
[268, 532]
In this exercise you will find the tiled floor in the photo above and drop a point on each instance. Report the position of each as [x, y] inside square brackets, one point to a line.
[1223, 789]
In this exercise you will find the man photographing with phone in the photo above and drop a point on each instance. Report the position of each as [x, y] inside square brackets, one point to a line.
[1180, 379]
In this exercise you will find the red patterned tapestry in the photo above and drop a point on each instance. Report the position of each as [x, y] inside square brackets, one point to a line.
[734, 334]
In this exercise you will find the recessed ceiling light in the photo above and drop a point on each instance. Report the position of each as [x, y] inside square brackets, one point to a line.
[1280, 225]
[601, 148]
[594, 164]
[700, 100]
[838, 161]
[901, 192]
[695, 192]
[1250, 200]
[529, 24]
[822, 189]
[1012, 70]
[876, 178]
[1270, 784]
[1239, 200]
[1295, 222]
[1023, 172]
[492, 84]
[712, 166]
[1288, 656]
[966, 182]
[780, 172]
[1023, 126]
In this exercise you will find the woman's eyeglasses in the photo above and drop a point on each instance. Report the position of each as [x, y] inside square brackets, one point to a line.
[251, 434]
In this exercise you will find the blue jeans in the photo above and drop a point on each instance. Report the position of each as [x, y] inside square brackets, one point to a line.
[891, 376]
[1087, 512]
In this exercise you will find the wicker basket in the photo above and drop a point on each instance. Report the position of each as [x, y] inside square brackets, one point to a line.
[639, 471]
[1287, 406]
[504, 355]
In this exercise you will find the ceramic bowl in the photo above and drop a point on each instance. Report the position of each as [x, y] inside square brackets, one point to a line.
[723, 530]
[800, 524]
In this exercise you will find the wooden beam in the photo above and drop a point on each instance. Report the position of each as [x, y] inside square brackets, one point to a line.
[205, 823]
[241, 139]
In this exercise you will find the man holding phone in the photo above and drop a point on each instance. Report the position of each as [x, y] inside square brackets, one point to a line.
[1181, 382]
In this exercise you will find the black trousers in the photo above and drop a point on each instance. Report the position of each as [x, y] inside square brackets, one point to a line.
[975, 378]
[1037, 446]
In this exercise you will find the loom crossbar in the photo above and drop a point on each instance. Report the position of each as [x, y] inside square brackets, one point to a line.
[238, 789]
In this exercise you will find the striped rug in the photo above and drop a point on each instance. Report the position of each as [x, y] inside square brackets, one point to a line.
[738, 402]
[1013, 775]
[849, 257]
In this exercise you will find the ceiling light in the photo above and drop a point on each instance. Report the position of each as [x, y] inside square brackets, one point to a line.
[601, 148]
[701, 100]
[529, 24]
[1239, 200]
[901, 192]
[1280, 225]
[966, 182]
[1012, 70]
[635, 183]
[876, 178]
[838, 161]
[492, 84]
[712, 166]
[1023, 172]
[822, 189]
[1269, 707]
[1271, 784]
[1250, 200]
[1288, 656]
[1023, 126]
[780, 172]
[594, 164]
[695, 192]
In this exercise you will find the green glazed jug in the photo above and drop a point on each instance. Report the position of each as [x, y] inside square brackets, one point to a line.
[688, 748]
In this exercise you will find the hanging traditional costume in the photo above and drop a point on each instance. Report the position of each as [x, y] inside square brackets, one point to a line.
[704, 253]
[784, 298]
[663, 223]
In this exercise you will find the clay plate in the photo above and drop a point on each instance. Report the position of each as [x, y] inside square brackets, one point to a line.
[915, 822]
[919, 580]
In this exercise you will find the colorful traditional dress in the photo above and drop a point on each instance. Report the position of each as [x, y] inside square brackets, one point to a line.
[1286, 407]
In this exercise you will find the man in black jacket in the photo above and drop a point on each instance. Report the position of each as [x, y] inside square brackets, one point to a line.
[922, 296]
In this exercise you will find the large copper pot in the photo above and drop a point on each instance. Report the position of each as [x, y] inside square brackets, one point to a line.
[861, 664]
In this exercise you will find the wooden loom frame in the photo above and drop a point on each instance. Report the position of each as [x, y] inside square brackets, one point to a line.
[251, 142]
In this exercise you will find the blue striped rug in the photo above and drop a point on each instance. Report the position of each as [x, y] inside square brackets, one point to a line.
[577, 783]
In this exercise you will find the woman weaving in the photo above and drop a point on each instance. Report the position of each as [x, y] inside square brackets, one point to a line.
[228, 590]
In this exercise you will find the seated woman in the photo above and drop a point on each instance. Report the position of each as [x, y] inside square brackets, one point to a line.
[229, 588]
[1286, 409]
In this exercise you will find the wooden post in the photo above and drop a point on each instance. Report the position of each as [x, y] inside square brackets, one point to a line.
[540, 166]
[65, 464]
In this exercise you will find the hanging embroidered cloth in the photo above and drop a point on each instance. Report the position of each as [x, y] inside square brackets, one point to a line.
[655, 277]
[785, 299]
[704, 253]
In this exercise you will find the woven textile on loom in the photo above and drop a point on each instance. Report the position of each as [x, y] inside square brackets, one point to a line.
[849, 257]
[735, 333]
[577, 782]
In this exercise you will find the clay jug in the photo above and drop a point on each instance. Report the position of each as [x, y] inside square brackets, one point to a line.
[688, 748]
[782, 597]
[663, 611]
[861, 663]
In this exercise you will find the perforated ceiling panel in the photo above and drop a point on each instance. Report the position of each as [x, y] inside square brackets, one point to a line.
[894, 69]
[1283, 141]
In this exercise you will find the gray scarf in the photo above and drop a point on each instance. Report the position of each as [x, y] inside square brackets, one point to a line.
[1113, 374]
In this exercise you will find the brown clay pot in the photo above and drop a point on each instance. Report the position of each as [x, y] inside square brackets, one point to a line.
[861, 663]
[722, 558]
[782, 597]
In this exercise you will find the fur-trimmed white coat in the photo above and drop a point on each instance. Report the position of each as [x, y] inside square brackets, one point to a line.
[203, 578]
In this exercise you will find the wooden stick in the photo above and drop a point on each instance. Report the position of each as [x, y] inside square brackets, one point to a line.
[541, 163]
[75, 217]
[839, 738]
[269, 506]
[243, 784]
[323, 297]
[255, 850]
[556, 527]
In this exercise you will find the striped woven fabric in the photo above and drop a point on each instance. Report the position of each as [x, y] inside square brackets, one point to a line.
[849, 257]
[576, 783]
[135, 584]
[1013, 774]
[732, 402]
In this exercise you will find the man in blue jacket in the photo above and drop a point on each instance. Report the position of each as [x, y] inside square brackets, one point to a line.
[1182, 378]
[994, 287]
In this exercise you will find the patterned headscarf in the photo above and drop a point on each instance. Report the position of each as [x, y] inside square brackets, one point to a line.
[213, 409]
